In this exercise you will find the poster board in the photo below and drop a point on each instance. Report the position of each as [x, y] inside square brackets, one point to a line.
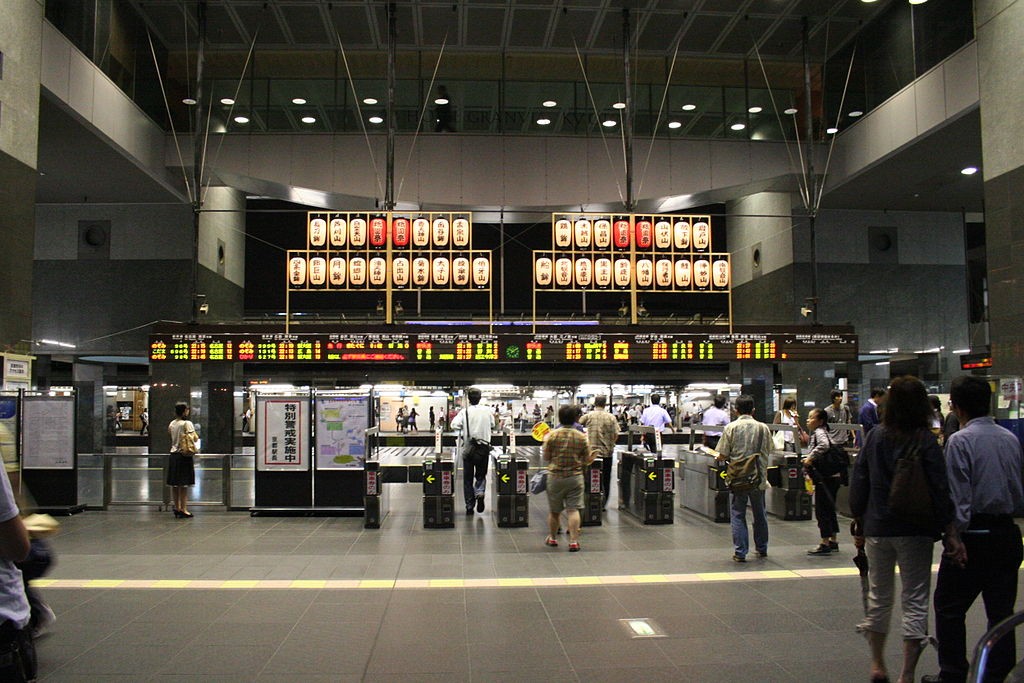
[282, 439]
[48, 433]
[341, 423]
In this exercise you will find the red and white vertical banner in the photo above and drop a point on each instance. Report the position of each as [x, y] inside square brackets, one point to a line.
[282, 443]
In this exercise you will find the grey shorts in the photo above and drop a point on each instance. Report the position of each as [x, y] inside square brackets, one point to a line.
[565, 493]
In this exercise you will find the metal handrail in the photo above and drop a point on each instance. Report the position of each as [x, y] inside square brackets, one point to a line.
[988, 641]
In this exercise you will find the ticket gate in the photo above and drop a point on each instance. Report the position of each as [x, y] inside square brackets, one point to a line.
[593, 494]
[375, 507]
[788, 497]
[438, 494]
[511, 480]
[646, 486]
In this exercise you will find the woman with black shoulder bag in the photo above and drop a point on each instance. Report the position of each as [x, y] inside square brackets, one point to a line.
[826, 485]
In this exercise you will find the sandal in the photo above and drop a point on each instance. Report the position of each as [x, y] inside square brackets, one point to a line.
[550, 541]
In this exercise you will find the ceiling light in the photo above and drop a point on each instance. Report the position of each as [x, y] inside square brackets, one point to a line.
[309, 119]
[298, 100]
[543, 122]
[855, 113]
[376, 119]
[227, 100]
[549, 103]
[689, 107]
[674, 124]
[867, 2]
[369, 100]
[619, 105]
[441, 100]
[608, 124]
[738, 126]
[970, 170]
[189, 101]
[918, 2]
[790, 111]
[831, 131]
[755, 110]
[241, 119]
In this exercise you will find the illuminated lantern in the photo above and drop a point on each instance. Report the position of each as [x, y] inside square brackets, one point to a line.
[297, 271]
[644, 272]
[378, 271]
[581, 232]
[460, 271]
[317, 271]
[662, 235]
[620, 233]
[357, 271]
[481, 271]
[441, 230]
[460, 232]
[683, 273]
[378, 231]
[563, 272]
[317, 232]
[441, 270]
[542, 271]
[336, 269]
[563, 233]
[663, 273]
[681, 234]
[602, 233]
[400, 232]
[720, 274]
[420, 271]
[701, 273]
[602, 272]
[400, 271]
[643, 234]
[357, 232]
[622, 272]
[338, 232]
[584, 272]
[701, 235]
[420, 232]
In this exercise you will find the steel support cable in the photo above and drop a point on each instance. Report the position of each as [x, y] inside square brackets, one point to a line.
[423, 112]
[170, 119]
[359, 115]
[597, 116]
[832, 144]
[657, 121]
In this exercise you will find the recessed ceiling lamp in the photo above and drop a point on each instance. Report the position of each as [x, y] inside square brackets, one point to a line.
[689, 107]
[189, 101]
[867, 2]
[970, 170]
[376, 119]
[918, 2]
[855, 113]
[227, 100]
[543, 122]
[549, 103]
[831, 131]
[619, 105]
[738, 126]
[755, 110]
[441, 100]
[241, 119]
[609, 123]
[298, 100]
[674, 124]
[790, 111]
[309, 119]
[370, 100]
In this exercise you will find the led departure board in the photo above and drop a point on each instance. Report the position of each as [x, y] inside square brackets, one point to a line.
[468, 347]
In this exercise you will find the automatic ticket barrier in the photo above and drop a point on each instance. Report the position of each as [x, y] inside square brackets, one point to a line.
[787, 498]
[375, 501]
[511, 480]
[593, 494]
[704, 489]
[646, 486]
[438, 494]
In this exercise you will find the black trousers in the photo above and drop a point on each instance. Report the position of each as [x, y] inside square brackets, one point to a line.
[474, 477]
[993, 559]
[825, 491]
[17, 654]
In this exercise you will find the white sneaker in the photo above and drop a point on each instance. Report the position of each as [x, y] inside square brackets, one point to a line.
[46, 620]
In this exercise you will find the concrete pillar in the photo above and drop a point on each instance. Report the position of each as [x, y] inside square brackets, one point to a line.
[170, 384]
[87, 379]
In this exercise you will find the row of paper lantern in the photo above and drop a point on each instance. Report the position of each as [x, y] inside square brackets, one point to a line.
[375, 232]
[643, 234]
[358, 271]
[603, 272]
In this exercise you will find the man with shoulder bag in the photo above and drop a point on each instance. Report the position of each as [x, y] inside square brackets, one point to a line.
[473, 423]
[744, 445]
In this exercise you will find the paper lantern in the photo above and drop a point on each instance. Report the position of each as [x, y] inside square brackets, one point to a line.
[378, 271]
[683, 273]
[681, 234]
[602, 233]
[701, 273]
[563, 272]
[441, 269]
[297, 271]
[620, 233]
[663, 272]
[662, 235]
[481, 271]
[644, 272]
[317, 232]
[563, 233]
[440, 233]
[701, 235]
[338, 232]
[400, 271]
[336, 270]
[317, 271]
[400, 232]
[584, 272]
[602, 272]
[542, 271]
[357, 232]
[623, 272]
[720, 274]
[357, 271]
[420, 232]
[581, 233]
[643, 234]
[460, 232]
[460, 271]
[378, 231]
[420, 271]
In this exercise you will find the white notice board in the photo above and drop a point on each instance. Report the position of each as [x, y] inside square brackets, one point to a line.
[282, 434]
[341, 423]
[48, 433]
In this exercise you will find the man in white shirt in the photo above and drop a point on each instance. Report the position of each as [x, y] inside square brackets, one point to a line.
[714, 416]
[655, 416]
[15, 637]
[473, 425]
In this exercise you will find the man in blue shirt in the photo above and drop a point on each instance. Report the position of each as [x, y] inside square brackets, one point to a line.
[984, 464]
[868, 416]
